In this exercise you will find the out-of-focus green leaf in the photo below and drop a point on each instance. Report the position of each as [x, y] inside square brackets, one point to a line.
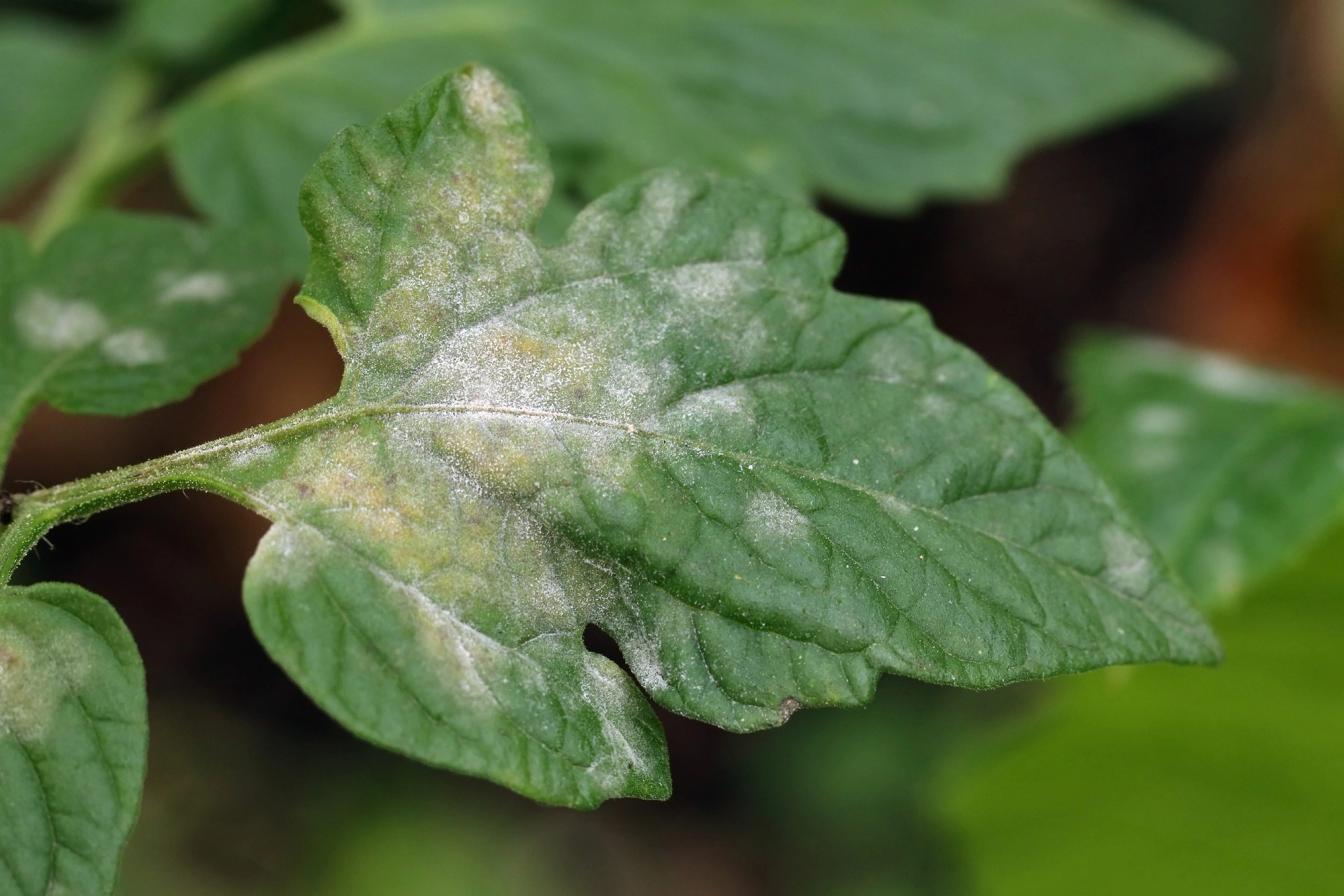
[882, 103]
[182, 29]
[121, 313]
[51, 76]
[73, 733]
[1163, 782]
[669, 426]
[1233, 471]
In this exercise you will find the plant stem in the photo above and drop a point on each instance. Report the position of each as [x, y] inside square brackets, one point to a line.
[116, 140]
[37, 513]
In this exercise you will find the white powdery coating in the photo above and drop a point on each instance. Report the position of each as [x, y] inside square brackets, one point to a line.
[35, 679]
[1230, 378]
[664, 199]
[748, 243]
[1128, 566]
[485, 98]
[521, 369]
[770, 516]
[47, 322]
[464, 657]
[605, 689]
[718, 405]
[707, 282]
[289, 556]
[199, 287]
[937, 405]
[254, 454]
[135, 347]
[632, 387]
[751, 344]
[641, 655]
[1159, 419]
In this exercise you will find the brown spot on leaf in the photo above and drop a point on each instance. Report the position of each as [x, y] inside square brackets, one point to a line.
[787, 707]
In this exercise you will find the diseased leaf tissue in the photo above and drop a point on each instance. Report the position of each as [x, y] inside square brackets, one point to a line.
[670, 426]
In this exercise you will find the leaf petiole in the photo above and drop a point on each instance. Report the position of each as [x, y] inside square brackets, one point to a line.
[37, 513]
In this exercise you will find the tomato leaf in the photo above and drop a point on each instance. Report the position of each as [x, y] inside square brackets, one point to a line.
[181, 29]
[881, 103]
[121, 313]
[669, 426]
[1228, 782]
[73, 734]
[51, 80]
[1234, 471]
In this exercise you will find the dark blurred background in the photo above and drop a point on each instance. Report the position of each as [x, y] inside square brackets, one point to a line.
[1219, 221]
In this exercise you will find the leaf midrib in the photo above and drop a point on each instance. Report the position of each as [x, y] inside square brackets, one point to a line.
[323, 417]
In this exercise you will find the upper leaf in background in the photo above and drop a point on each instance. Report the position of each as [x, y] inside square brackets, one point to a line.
[1234, 471]
[121, 313]
[670, 426]
[1145, 781]
[881, 103]
[181, 29]
[50, 80]
[73, 733]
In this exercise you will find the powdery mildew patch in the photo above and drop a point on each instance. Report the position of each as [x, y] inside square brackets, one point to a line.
[55, 324]
[35, 678]
[197, 287]
[135, 347]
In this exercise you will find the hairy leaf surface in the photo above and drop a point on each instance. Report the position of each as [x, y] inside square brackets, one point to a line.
[882, 103]
[669, 426]
[1234, 471]
[73, 733]
[121, 313]
[51, 76]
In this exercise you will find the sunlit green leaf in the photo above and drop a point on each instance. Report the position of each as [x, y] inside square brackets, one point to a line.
[670, 426]
[1233, 471]
[1161, 782]
[72, 740]
[121, 313]
[882, 103]
[50, 78]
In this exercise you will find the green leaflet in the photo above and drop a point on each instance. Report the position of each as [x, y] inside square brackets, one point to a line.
[669, 426]
[1233, 471]
[1159, 783]
[73, 733]
[51, 78]
[122, 313]
[881, 103]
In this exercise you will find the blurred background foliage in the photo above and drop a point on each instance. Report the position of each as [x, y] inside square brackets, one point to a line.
[1219, 222]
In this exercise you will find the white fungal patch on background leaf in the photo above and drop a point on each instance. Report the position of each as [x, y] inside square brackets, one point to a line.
[1159, 420]
[58, 325]
[1231, 468]
[120, 313]
[135, 347]
[667, 425]
[201, 287]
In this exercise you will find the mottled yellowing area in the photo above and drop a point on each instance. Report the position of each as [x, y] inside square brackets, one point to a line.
[669, 426]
